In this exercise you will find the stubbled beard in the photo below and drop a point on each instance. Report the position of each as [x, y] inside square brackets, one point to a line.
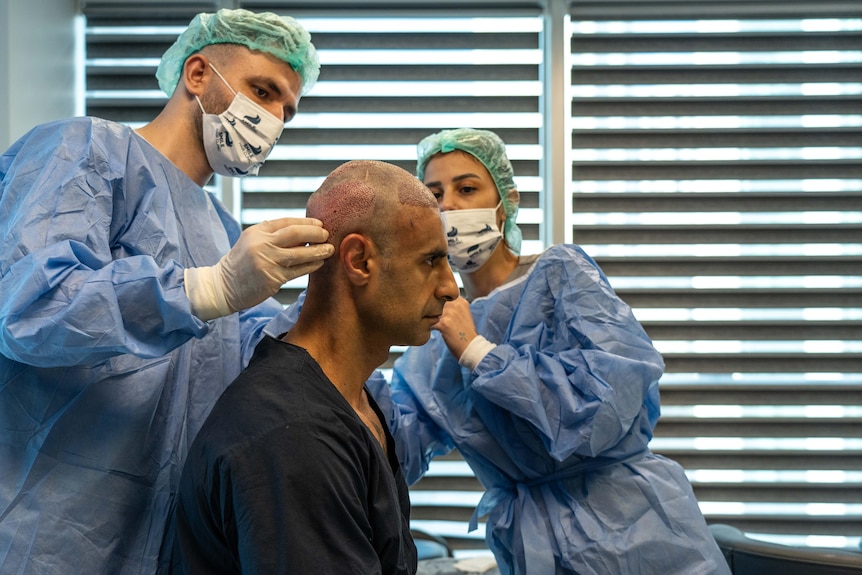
[212, 104]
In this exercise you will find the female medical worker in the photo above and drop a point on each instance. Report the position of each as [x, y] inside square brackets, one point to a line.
[548, 386]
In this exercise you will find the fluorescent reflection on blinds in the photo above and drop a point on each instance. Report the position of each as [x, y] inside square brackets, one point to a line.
[388, 81]
[716, 26]
[726, 90]
[716, 179]
[718, 58]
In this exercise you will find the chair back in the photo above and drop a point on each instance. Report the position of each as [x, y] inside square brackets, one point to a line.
[747, 556]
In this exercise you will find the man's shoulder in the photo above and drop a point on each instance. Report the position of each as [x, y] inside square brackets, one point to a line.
[95, 137]
[85, 125]
[282, 397]
[74, 142]
[277, 388]
[73, 133]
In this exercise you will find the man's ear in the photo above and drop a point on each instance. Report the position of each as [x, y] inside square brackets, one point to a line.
[195, 74]
[355, 254]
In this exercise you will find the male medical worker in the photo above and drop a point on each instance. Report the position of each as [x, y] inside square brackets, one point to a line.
[129, 297]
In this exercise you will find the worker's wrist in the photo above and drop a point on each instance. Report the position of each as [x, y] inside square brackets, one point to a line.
[204, 290]
[475, 352]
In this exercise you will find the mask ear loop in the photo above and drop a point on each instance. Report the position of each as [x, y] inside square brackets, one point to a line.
[198, 100]
[222, 78]
[505, 215]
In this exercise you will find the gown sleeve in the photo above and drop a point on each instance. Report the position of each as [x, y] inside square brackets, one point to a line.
[574, 362]
[64, 298]
[254, 322]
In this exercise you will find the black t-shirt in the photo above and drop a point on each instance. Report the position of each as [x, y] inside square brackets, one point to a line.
[285, 478]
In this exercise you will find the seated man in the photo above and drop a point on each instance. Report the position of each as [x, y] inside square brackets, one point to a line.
[294, 470]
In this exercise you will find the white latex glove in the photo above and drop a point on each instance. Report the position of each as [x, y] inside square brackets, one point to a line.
[265, 257]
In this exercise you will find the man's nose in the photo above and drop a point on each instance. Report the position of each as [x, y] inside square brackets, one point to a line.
[448, 289]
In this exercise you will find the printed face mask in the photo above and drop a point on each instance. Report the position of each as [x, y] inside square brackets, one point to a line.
[472, 235]
[238, 140]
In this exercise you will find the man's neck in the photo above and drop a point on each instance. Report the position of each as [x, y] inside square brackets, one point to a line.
[347, 358]
[177, 138]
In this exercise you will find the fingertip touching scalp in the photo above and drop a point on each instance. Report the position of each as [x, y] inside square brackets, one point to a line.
[281, 36]
[490, 150]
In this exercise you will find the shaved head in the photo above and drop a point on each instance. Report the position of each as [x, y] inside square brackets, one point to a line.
[366, 196]
[388, 280]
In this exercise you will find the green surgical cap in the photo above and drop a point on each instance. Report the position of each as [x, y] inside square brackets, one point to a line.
[489, 149]
[281, 36]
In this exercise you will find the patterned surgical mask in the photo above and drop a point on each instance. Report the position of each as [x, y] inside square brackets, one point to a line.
[238, 140]
[472, 235]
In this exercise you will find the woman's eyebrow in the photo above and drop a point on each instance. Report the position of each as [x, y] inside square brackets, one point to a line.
[455, 179]
[464, 177]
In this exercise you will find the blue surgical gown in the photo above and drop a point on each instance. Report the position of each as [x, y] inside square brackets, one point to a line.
[105, 375]
[555, 422]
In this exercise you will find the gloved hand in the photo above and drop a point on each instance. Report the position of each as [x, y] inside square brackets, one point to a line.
[265, 257]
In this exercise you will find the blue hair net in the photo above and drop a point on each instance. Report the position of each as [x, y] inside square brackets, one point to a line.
[490, 150]
[281, 36]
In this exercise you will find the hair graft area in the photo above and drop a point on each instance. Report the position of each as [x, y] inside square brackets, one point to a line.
[341, 206]
[412, 192]
[369, 197]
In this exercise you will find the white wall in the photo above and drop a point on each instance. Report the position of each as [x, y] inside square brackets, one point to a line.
[37, 64]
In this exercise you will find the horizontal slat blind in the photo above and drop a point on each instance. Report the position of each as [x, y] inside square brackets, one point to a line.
[388, 78]
[717, 179]
[124, 44]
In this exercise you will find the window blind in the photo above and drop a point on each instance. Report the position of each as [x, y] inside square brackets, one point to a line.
[711, 166]
[716, 178]
[388, 79]
[390, 76]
